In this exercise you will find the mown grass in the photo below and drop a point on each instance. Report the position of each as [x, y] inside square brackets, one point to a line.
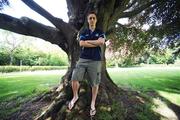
[22, 86]
[16, 88]
[165, 81]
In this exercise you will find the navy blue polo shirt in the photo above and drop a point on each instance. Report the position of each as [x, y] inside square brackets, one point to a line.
[92, 53]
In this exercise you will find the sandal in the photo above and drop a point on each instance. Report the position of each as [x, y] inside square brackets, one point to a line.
[92, 112]
[72, 104]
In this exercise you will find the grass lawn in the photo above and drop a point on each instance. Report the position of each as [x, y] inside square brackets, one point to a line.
[20, 87]
[16, 88]
[164, 80]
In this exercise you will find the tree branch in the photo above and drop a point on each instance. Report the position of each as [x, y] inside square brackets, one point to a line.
[120, 14]
[59, 23]
[34, 6]
[123, 5]
[137, 10]
[29, 27]
[176, 52]
[131, 4]
[119, 7]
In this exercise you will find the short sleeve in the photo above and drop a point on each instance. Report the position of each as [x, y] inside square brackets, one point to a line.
[102, 34]
[82, 35]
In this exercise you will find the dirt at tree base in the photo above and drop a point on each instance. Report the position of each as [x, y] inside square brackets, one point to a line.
[129, 99]
[130, 105]
[29, 110]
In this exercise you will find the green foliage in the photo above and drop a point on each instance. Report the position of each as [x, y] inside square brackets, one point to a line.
[129, 44]
[148, 57]
[4, 59]
[127, 62]
[121, 62]
[133, 40]
[167, 13]
[58, 60]
[25, 53]
[160, 57]
[6, 69]
[32, 57]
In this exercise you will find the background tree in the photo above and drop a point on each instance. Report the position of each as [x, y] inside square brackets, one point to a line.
[65, 35]
[22, 50]
[11, 44]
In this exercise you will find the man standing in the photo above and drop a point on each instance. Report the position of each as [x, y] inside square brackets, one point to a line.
[90, 61]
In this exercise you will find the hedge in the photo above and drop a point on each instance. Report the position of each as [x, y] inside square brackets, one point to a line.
[6, 69]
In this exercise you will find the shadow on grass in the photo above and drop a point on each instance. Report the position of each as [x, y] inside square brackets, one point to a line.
[175, 108]
[165, 84]
[142, 104]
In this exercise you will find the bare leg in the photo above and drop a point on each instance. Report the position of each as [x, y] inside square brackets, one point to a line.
[94, 95]
[75, 88]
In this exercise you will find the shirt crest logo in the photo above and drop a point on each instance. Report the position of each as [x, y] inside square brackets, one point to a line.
[97, 35]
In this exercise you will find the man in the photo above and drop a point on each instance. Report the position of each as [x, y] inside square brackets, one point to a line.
[90, 61]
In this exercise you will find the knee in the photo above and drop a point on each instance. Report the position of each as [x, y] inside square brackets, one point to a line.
[75, 82]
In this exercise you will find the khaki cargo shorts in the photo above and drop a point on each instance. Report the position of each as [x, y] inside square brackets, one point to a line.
[92, 68]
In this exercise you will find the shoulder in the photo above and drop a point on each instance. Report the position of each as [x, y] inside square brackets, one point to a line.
[83, 31]
[82, 34]
[99, 31]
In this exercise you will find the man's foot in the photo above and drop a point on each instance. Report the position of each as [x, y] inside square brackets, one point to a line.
[72, 103]
[92, 112]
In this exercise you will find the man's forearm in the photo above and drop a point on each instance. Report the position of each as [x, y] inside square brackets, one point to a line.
[94, 42]
[86, 44]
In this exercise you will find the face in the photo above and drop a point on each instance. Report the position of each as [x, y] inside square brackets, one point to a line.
[92, 19]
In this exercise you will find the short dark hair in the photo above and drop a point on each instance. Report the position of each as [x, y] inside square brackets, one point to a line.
[92, 12]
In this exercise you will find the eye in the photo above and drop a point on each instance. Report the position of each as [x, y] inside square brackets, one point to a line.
[92, 18]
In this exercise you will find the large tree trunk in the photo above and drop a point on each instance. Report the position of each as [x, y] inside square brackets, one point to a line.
[65, 35]
[58, 109]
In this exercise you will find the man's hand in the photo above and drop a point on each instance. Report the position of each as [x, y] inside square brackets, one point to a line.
[108, 42]
[101, 41]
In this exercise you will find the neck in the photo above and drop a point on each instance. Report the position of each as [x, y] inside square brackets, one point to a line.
[92, 28]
